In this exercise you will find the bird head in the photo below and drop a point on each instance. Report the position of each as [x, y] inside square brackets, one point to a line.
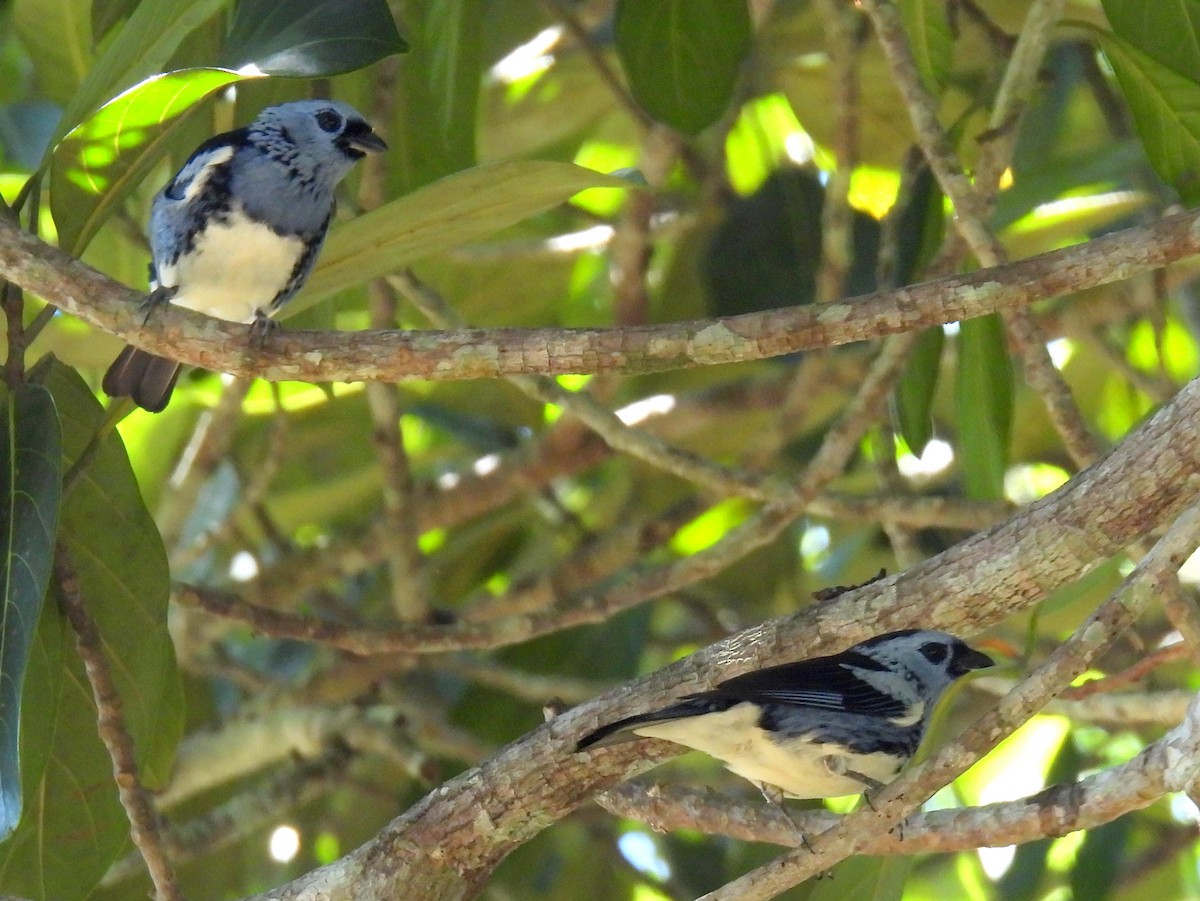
[320, 139]
[933, 658]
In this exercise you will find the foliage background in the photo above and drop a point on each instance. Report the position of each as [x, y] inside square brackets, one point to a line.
[771, 142]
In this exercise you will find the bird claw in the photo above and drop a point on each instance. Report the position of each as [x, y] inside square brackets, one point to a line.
[261, 329]
[154, 300]
[774, 797]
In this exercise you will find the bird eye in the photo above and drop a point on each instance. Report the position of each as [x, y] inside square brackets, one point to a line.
[934, 652]
[329, 120]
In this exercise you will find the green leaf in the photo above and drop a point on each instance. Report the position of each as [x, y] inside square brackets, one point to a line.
[30, 491]
[930, 38]
[865, 878]
[58, 37]
[1166, 32]
[74, 826]
[139, 49]
[1166, 114]
[983, 401]
[453, 32]
[682, 57]
[448, 212]
[914, 393]
[310, 38]
[123, 575]
[99, 163]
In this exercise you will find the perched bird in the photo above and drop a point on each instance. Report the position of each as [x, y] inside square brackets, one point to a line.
[818, 728]
[236, 232]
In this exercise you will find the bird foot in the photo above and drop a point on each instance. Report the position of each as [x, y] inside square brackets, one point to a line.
[261, 329]
[154, 300]
[774, 797]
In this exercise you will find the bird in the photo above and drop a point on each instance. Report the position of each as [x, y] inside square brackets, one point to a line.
[235, 233]
[818, 728]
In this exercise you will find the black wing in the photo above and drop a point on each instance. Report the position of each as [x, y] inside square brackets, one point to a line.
[823, 683]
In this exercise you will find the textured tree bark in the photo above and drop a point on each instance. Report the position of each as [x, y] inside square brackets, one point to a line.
[447, 845]
[389, 356]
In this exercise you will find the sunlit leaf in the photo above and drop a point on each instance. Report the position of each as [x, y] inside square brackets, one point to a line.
[451, 211]
[139, 49]
[100, 162]
[30, 491]
[1051, 225]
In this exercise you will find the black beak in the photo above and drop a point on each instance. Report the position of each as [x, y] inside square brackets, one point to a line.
[368, 142]
[967, 658]
[358, 136]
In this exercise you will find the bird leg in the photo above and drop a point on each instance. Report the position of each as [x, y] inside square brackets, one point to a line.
[774, 796]
[869, 785]
[261, 329]
[154, 300]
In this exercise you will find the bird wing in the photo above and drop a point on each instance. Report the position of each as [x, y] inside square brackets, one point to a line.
[824, 683]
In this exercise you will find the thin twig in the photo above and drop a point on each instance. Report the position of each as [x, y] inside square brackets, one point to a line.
[406, 568]
[242, 814]
[604, 422]
[972, 208]
[841, 23]
[639, 585]
[144, 827]
[209, 444]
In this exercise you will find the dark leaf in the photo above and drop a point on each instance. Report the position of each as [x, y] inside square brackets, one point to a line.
[682, 57]
[914, 393]
[30, 490]
[74, 826]
[983, 401]
[453, 30]
[310, 38]
[930, 37]
[1098, 864]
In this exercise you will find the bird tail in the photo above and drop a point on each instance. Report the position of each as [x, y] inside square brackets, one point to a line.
[147, 378]
[622, 730]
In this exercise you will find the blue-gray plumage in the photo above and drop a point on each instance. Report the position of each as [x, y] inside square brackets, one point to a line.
[236, 232]
[818, 728]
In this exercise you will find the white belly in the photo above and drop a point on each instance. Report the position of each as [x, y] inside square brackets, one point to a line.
[234, 270]
[799, 769]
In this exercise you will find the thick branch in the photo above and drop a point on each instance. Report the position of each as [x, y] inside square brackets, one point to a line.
[474, 353]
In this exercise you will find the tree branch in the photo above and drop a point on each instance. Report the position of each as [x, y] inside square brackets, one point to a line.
[375, 355]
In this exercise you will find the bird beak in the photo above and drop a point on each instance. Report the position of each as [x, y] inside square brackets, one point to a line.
[367, 142]
[971, 659]
[358, 136]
